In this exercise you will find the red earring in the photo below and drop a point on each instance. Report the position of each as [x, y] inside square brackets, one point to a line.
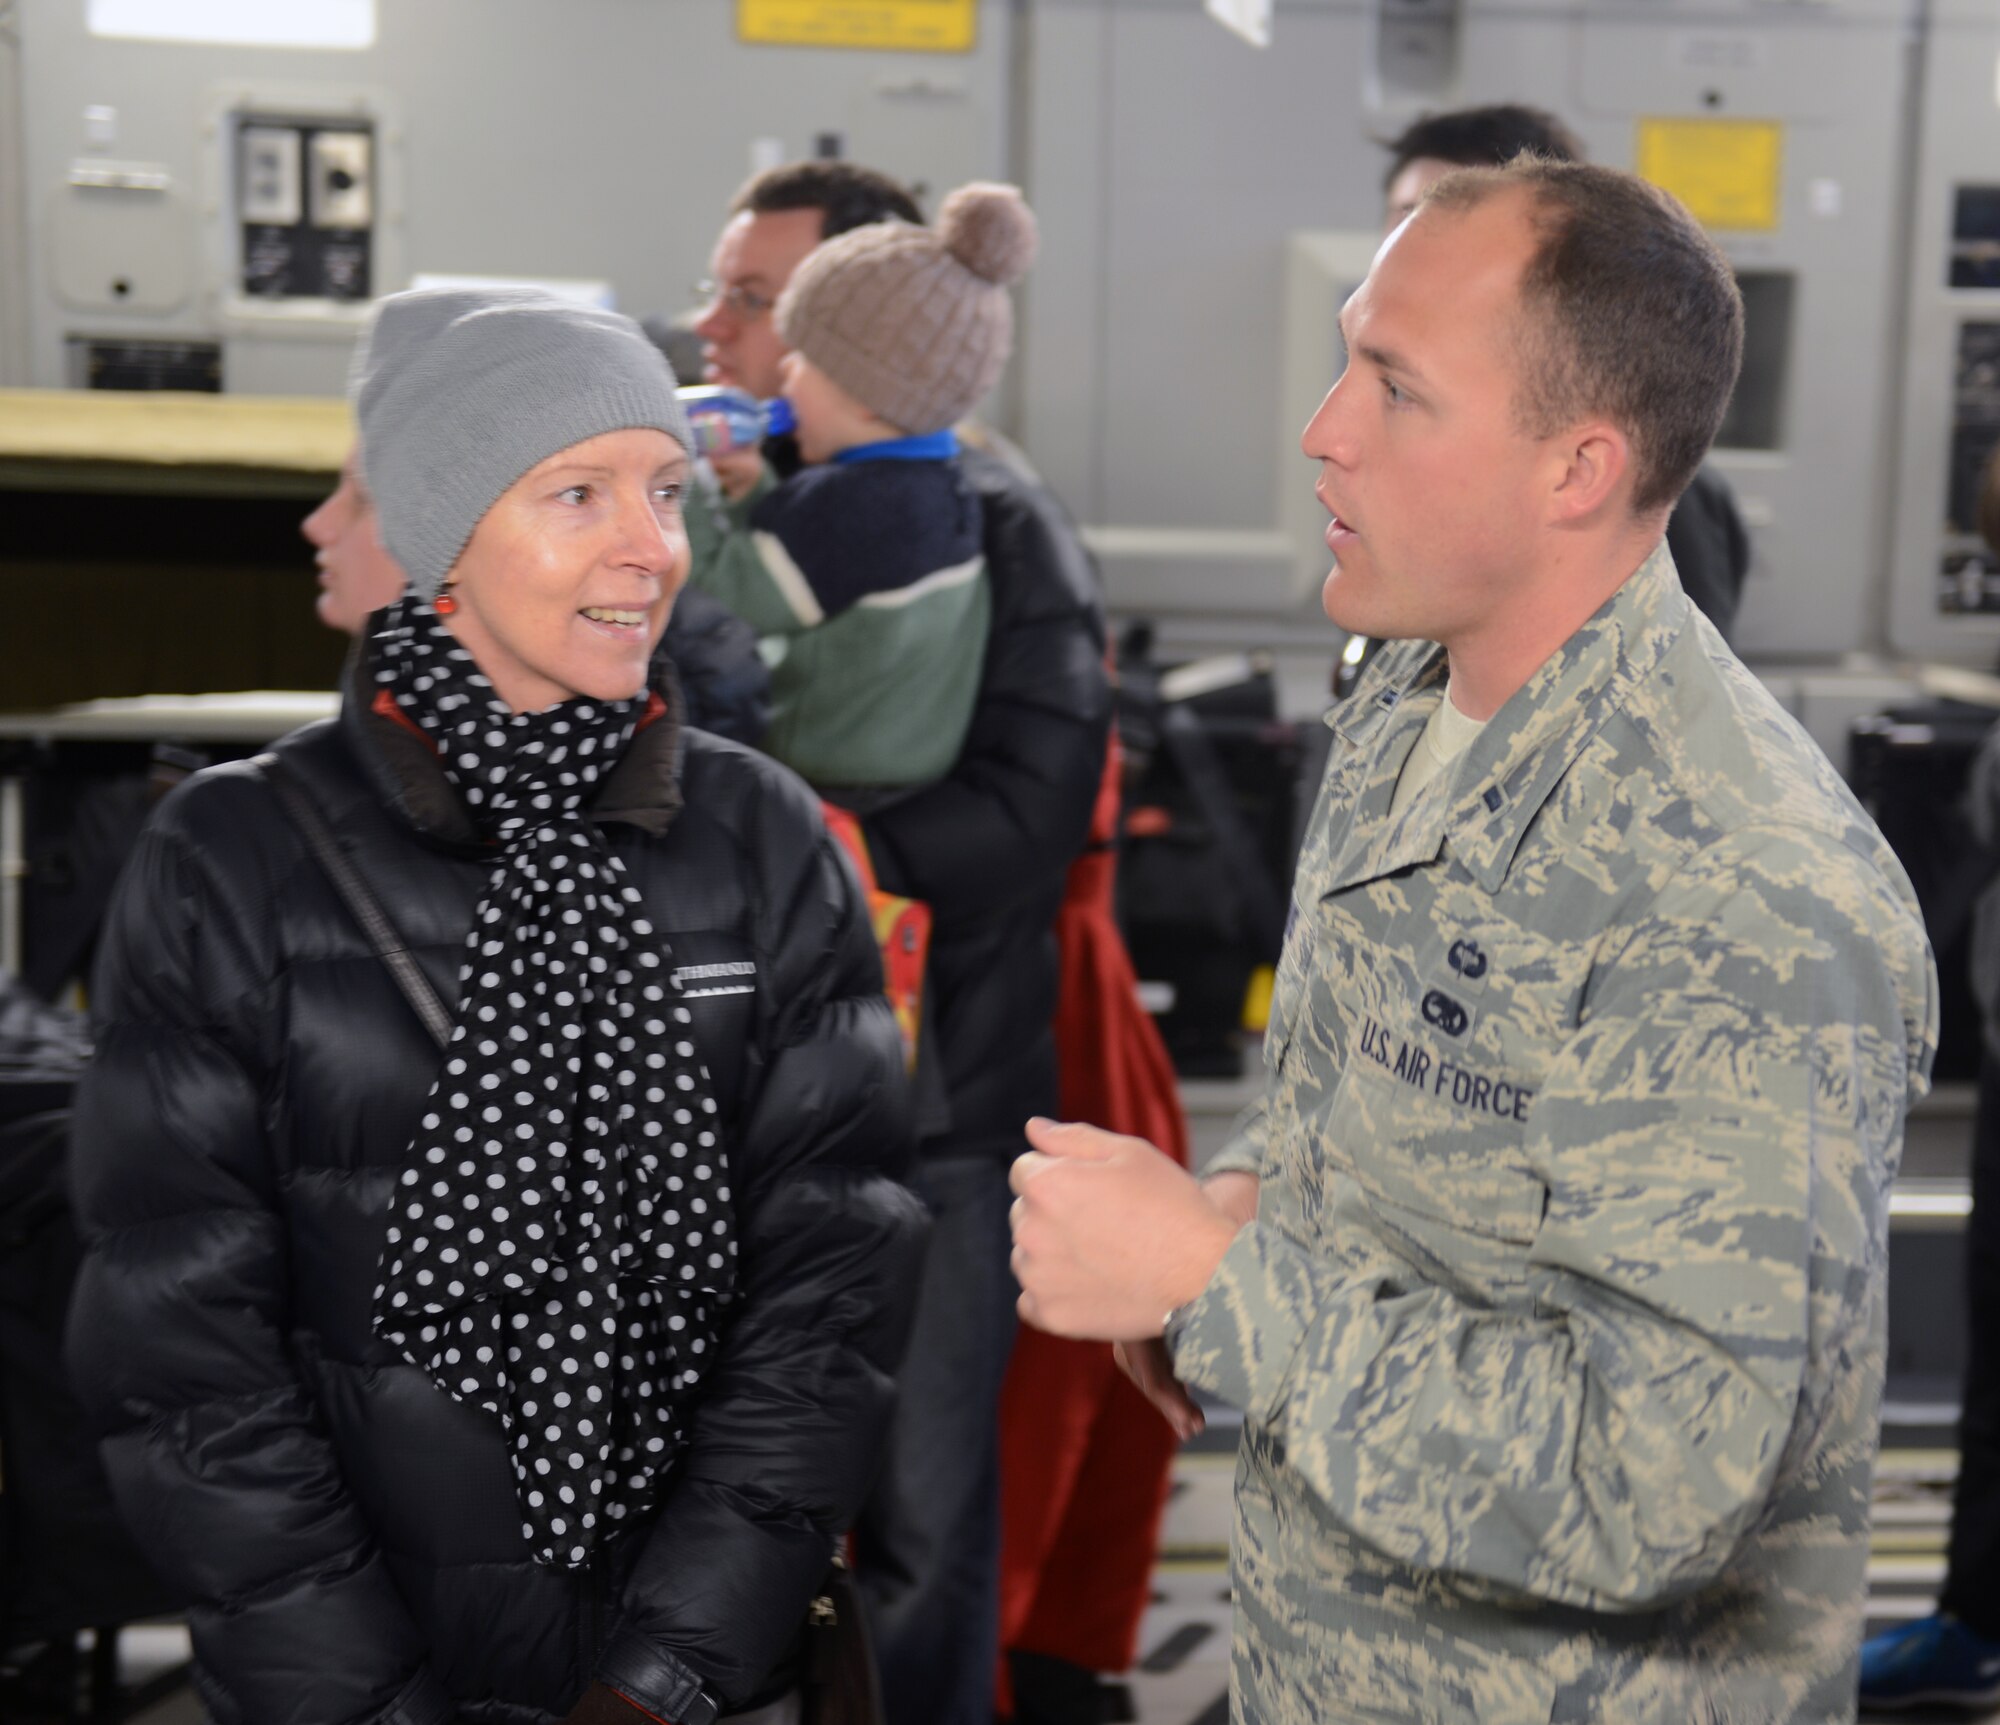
[444, 604]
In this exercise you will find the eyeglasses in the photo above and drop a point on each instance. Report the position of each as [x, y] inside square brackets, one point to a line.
[745, 304]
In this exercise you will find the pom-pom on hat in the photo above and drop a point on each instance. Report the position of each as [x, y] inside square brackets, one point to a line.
[915, 323]
[460, 391]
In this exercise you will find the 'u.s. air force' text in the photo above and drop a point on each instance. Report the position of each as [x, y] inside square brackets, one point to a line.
[1416, 1065]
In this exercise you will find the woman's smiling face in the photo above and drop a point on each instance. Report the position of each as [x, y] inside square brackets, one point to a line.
[566, 584]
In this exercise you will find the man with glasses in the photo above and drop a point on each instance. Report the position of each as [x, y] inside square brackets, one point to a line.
[988, 848]
[773, 222]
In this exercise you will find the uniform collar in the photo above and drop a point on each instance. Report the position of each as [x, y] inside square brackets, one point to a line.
[1501, 782]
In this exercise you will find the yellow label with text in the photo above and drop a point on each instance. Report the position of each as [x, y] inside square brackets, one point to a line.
[1727, 172]
[923, 26]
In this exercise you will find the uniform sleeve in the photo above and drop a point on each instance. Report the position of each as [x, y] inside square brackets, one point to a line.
[787, 1439]
[177, 1330]
[1244, 1151]
[1716, 1139]
[1003, 825]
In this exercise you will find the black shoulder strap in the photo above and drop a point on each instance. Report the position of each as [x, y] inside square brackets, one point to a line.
[359, 898]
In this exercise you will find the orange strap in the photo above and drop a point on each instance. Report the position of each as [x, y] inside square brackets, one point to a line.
[902, 931]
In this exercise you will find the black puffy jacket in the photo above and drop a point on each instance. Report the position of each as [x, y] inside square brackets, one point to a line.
[988, 846]
[348, 1533]
[725, 684]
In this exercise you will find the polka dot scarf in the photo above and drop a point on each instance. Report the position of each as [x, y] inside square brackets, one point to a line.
[560, 1243]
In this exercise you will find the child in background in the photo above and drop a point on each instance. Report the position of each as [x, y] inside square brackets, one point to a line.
[863, 571]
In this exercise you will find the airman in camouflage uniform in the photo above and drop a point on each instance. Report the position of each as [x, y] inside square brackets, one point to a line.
[1558, 1329]
[1559, 1336]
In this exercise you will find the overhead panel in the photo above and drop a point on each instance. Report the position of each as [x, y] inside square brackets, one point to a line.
[305, 199]
[248, 187]
[1945, 596]
[1782, 130]
[1190, 187]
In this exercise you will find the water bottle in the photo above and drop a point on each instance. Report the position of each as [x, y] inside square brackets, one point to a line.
[724, 418]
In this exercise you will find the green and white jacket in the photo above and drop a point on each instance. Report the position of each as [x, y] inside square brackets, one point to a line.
[866, 584]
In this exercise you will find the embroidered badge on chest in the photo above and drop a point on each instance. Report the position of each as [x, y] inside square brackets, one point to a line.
[1440, 1073]
[1444, 1013]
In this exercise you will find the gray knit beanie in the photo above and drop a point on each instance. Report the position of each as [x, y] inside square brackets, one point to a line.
[460, 391]
[915, 323]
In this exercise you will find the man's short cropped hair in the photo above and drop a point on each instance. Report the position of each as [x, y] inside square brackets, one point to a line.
[1483, 138]
[846, 195]
[1628, 310]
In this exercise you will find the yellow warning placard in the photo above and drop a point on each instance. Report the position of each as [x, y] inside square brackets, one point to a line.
[923, 26]
[1728, 172]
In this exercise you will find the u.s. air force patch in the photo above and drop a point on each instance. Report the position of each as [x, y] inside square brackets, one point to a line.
[1437, 1074]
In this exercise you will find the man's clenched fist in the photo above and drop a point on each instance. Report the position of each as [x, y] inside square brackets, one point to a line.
[1109, 1235]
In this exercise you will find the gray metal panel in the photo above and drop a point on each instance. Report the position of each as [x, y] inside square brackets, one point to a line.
[1176, 159]
[1170, 162]
[1064, 302]
[13, 207]
[1839, 79]
[1959, 142]
[592, 138]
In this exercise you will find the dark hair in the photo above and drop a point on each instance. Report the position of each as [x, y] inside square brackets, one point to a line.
[846, 194]
[1482, 138]
[1627, 310]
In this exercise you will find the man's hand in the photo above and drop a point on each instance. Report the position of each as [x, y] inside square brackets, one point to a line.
[1147, 1363]
[1109, 1235]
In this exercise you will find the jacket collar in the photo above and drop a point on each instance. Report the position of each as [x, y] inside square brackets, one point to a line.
[642, 790]
[1500, 784]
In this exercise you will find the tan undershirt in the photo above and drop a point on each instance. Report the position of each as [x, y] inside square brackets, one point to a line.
[1447, 735]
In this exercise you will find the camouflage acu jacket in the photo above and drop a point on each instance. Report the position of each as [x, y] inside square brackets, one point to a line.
[1559, 1334]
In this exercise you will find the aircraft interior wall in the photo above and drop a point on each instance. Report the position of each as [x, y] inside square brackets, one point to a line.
[219, 216]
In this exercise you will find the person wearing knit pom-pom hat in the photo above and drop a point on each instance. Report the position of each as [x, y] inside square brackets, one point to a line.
[987, 845]
[866, 564]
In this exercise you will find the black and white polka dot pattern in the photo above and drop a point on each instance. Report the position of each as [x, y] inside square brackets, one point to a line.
[560, 1244]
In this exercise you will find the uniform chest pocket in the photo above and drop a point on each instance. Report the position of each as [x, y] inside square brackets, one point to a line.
[1435, 1134]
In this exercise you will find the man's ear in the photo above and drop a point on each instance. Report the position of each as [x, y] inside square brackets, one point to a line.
[1593, 460]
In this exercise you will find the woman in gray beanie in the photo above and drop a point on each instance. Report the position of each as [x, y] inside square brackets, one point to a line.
[505, 1335]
